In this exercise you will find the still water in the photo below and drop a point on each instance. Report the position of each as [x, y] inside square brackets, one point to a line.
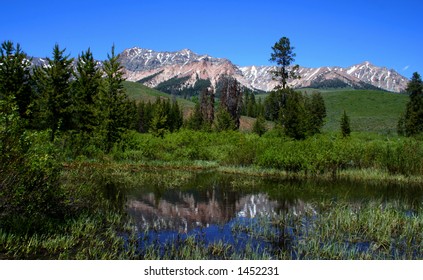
[169, 205]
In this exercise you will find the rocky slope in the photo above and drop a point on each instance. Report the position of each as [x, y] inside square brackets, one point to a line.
[185, 67]
[152, 68]
[363, 75]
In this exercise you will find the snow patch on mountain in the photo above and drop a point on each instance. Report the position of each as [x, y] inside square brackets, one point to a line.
[161, 66]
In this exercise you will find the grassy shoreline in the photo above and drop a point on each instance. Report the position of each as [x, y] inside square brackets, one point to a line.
[358, 175]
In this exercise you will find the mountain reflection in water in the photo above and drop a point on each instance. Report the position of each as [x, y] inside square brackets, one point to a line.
[183, 212]
[210, 198]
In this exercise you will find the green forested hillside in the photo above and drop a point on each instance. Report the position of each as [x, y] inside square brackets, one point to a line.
[369, 110]
[140, 92]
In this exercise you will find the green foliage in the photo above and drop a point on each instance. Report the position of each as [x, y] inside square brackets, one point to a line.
[251, 107]
[117, 109]
[404, 158]
[86, 94]
[275, 102]
[159, 117]
[412, 122]
[29, 194]
[224, 121]
[315, 105]
[345, 125]
[195, 121]
[283, 55]
[158, 123]
[299, 115]
[259, 126]
[53, 85]
[294, 116]
[15, 78]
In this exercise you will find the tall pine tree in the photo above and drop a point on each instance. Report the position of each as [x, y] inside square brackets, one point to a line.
[316, 108]
[412, 122]
[86, 93]
[15, 78]
[283, 55]
[114, 101]
[345, 125]
[53, 83]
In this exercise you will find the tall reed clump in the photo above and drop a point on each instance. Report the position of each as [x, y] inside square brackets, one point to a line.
[370, 231]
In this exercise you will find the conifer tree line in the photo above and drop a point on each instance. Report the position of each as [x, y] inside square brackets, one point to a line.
[86, 102]
[159, 117]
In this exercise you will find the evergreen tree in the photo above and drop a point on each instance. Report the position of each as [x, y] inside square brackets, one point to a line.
[275, 102]
[145, 114]
[53, 83]
[86, 91]
[413, 117]
[159, 122]
[224, 121]
[195, 121]
[401, 125]
[176, 117]
[114, 101]
[316, 109]
[283, 55]
[260, 108]
[259, 126]
[231, 98]
[15, 78]
[293, 117]
[345, 125]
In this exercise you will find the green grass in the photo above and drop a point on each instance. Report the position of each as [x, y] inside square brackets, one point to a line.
[140, 92]
[369, 110]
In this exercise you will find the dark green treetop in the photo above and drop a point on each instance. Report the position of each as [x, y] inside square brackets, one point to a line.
[283, 55]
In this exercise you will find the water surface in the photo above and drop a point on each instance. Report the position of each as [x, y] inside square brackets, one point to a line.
[220, 207]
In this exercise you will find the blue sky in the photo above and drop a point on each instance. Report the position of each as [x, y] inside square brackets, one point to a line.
[324, 33]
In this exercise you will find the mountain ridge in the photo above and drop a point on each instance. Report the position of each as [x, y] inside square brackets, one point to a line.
[154, 67]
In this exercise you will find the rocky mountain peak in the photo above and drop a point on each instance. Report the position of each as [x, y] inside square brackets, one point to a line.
[153, 68]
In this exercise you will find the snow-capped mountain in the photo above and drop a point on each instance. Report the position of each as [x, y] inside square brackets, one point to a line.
[363, 75]
[153, 67]
[185, 67]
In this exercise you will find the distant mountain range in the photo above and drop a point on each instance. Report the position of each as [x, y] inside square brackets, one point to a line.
[153, 68]
[184, 69]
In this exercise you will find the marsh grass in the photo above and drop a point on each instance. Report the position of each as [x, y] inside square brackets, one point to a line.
[88, 237]
[371, 231]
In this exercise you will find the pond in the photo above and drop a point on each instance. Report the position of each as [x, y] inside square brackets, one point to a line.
[277, 218]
